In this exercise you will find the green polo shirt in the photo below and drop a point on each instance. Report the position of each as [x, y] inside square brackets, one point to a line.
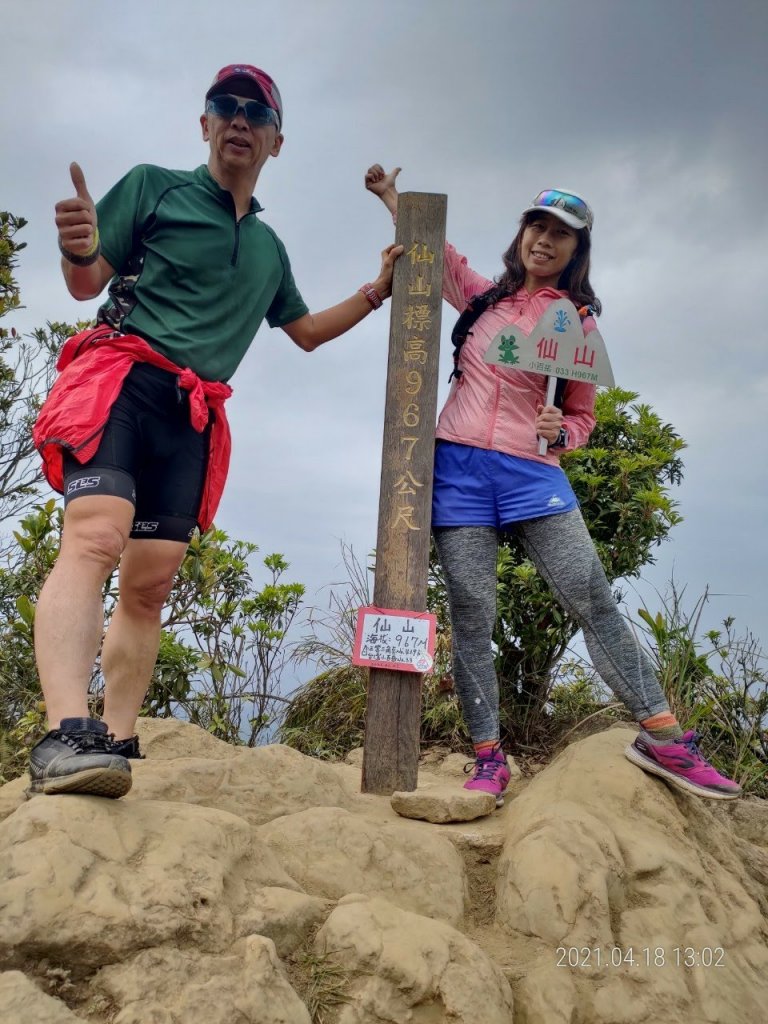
[191, 279]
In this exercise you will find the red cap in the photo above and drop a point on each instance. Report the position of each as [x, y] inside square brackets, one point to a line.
[269, 92]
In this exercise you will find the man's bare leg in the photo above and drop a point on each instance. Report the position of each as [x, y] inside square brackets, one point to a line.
[69, 618]
[76, 756]
[147, 571]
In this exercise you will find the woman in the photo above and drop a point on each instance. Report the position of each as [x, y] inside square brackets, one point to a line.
[491, 478]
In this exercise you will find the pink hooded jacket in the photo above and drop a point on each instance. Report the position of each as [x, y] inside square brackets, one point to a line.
[495, 407]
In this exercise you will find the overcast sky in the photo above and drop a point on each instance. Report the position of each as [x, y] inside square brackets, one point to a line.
[655, 111]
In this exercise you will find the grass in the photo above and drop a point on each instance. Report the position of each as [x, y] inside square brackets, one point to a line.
[321, 982]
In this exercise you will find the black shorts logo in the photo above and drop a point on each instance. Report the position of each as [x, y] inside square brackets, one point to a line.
[82, 483]
[145, 526]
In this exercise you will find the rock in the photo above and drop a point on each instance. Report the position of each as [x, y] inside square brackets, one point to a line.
[441, 804]
[164, 739]
[87, 881]
[568, 865]
[454, 766]
[515, 771]
[258, 784]
[12, 795]
[549, 998]
[432, 757]
[246, 985]
[284, 916]
[331, 852]
[401, 967]
[23, 1002]
[355, 757]
[600, 856]
[747, 817]
[172, 905]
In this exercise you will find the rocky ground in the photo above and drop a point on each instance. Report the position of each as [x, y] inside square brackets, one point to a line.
[238, 886]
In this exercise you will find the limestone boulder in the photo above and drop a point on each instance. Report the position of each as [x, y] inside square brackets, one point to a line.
[442, 804]
[259, 886]
[748, 818]
[284, 916]
[185, 764]
[86, 881]
[22, 1002]
[402, 968]
[548, 997]
[12, 796]
[247, 985]
[617, 875]
[165, 739]
[331, 853]
[453, 766]
[256, 784]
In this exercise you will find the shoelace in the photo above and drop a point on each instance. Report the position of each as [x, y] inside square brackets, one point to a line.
[484, 767]
[85, 742]
[692, 745]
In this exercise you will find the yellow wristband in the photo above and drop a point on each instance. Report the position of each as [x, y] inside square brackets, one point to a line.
[82, 260]
[95, 245]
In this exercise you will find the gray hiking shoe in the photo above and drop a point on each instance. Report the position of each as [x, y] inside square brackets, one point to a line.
[77, 758]
[127, 748]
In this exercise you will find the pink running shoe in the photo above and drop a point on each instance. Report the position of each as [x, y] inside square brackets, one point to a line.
[682, 763]
[490, 775]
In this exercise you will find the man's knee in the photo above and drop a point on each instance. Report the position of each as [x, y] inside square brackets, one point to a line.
[146, 595]
[96, 540]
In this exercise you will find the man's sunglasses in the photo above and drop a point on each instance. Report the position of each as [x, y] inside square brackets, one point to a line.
[257, 114]
[565, 201]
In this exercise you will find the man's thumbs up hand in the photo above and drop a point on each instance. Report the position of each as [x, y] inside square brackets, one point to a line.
[78, 180]
[76, 219]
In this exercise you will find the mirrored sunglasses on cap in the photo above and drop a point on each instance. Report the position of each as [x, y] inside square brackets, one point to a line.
[569, 207]
[257, 114]
[227, 77]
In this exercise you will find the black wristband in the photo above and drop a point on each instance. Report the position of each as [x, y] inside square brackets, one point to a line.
[562, 439]
[80, 261]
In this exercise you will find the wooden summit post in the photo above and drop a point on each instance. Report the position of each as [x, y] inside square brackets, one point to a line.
[393, 718]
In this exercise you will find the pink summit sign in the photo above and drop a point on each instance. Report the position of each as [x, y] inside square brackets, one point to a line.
[389, 638]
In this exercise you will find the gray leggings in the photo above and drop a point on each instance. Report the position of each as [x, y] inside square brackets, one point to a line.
[562, 550]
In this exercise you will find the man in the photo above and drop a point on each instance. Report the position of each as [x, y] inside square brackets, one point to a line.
[134, 432]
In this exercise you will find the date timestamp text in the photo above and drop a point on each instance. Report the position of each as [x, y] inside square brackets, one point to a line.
[596, 957]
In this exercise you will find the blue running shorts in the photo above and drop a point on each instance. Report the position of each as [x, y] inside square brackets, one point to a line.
[479, 487]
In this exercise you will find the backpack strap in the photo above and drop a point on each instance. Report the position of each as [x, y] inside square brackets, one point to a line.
[476, 306]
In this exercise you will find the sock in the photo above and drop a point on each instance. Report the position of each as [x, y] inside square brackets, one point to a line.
[662, 728]
[486, 748]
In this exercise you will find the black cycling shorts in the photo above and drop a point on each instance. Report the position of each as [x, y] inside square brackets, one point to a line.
[149, 454]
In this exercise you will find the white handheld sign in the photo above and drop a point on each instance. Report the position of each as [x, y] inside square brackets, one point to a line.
[556, 346]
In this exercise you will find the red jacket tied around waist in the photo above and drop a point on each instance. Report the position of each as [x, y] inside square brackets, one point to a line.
[92, 367]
